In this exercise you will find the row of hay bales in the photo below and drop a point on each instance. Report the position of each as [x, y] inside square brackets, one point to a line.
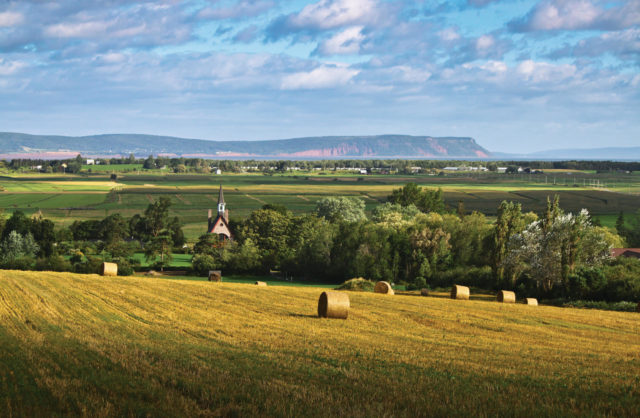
[504, 296]
[336, 304]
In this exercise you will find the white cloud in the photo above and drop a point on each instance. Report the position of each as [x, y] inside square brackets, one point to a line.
[77, 30]
[10, 67]
[343, 43]
[8, 19]
[329, 14]
[484, 42]
[319, 78]
[449, 34]
[539, 72]
[579, 14]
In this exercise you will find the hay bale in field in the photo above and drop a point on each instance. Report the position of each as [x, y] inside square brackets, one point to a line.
[259, 283]
[460, 292]
[506, 296]
[215, 276]
[532, 301]
[333, 305]
[109, 269]
[424, 292]
[384, 288]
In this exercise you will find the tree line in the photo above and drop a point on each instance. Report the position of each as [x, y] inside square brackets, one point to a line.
[181, 164]
[412, 239]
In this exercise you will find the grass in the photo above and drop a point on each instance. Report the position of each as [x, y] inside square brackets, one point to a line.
[88, 345]
[65, 198]
[251, 279]
[177, 260]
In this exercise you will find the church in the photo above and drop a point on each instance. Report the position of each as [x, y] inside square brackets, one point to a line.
[220, 225]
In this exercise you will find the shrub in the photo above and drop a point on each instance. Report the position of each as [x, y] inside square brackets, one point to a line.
[358, 285]
[124, 267]
[202, 263]
[53, 263]
[481, 277]
[418, 283]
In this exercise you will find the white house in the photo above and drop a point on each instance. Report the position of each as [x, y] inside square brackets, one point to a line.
[90, 161]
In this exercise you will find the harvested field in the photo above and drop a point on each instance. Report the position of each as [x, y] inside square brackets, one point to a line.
[74, 344]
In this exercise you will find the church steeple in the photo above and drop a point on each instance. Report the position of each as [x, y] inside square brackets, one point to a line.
[221, 203]
[220, 225]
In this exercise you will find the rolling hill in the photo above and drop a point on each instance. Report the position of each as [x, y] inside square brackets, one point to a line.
[88, 345]
[21, 145]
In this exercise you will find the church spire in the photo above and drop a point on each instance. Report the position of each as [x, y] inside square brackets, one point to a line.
[221, 204]
[221, 196]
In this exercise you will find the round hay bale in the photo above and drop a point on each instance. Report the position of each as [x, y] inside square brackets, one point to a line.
[384, 288]
[109, 269]
[215, 276]
[424, 292]
[532, 301]
[460, 292]
[506, 296]
[333, 305]
[261, 283]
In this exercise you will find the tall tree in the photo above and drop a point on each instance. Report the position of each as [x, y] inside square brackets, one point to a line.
[159, 246]
[509, 222]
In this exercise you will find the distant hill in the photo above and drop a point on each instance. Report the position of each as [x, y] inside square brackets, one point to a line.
[608, 153]
[18, 145]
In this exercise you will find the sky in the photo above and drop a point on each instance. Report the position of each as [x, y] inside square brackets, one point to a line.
[518, 76]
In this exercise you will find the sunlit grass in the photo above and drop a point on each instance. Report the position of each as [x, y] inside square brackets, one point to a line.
[78, 344]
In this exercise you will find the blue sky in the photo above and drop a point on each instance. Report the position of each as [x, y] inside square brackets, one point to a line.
[518, 76]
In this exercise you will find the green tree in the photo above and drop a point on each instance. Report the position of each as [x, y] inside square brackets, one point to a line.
[17, 246]
[427, 200]
[149, 163]
[509, 222]
[269, 230]
[341, 209]
[156, 216]
[159, 246]
[550, 251]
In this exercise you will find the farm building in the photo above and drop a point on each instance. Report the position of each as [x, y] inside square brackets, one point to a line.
[625, 252]
[220, 225]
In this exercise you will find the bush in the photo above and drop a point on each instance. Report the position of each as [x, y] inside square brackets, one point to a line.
[358, 285]
[53, 263]
[91, 266]
[481, 277]
[418, 283]
[124, 267]
[202, 263]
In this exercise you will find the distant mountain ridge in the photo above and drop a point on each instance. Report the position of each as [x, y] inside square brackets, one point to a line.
[605, 153]
[19, 145]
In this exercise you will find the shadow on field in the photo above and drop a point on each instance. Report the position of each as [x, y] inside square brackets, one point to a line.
[303, 315]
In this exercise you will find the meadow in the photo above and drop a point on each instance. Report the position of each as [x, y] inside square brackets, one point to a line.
[65, 198]
[90, 345]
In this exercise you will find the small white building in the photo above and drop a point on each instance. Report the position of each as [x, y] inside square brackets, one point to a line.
[501, 169]
[218, 171]
[90, 161]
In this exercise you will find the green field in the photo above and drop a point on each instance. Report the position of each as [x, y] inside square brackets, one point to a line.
[97, 346]
[65, 198]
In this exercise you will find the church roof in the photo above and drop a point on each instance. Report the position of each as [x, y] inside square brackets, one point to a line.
[220, 196]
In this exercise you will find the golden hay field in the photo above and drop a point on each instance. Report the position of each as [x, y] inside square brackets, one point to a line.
[88, 345]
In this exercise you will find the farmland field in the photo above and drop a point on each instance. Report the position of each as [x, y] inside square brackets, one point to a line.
[84, 344]
[65, 198]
